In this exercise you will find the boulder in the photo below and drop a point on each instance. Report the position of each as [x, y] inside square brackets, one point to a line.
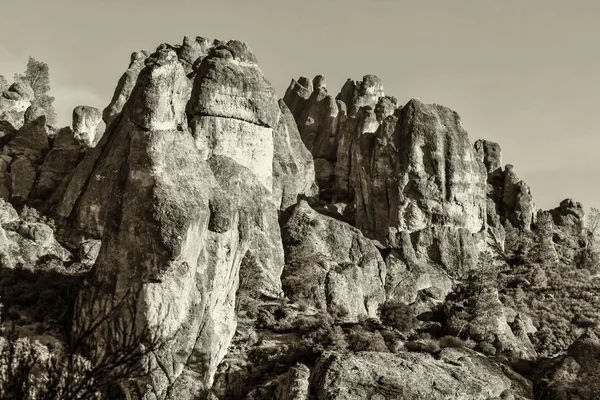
[85, 123]
[453, 374]
[33, 112]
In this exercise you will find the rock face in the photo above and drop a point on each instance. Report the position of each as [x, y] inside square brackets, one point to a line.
[293, 166]
[159, 230]
[22, 154]
[14, 102]
[191, 214]
[510, 198]
[85, 122]
[417, 158]
[330, 265]
[25, 242]
[455, 374]
[422, 163]
[124, 87]
[33, 163]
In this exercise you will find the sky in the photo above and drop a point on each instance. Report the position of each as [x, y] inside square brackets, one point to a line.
[523, 73]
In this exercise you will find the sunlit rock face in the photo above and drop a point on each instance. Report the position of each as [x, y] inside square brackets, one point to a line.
[124, 87]
[85, 122]
[330, 265]
[184, 190]
[420, 161]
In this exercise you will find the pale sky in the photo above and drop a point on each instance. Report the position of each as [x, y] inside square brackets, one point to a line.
[523, 73]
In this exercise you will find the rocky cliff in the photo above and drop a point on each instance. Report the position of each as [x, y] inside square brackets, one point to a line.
[306, 247]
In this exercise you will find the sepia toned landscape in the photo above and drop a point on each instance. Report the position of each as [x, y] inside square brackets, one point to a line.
[202, 237]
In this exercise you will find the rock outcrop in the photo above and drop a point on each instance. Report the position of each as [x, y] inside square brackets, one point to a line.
[330, 265]
[85, 122]
[191, 214]
[510, 197]
[14, 102]
[454, 374]
[26, 241]
[575, 375]
[422, 163]
[124, 87]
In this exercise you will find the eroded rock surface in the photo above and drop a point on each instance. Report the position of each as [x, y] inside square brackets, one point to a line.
[454, 374]
[330, 265]
[14, 102]
[85, 122]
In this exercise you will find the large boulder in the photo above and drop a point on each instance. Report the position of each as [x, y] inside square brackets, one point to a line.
[14, 103]
[452, 375]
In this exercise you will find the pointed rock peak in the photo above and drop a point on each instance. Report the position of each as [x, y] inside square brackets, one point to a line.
[489, 153]
[371, 85]
[138, 57]
[319, 83]
[159, 97]
[163, 55]
[193, 49]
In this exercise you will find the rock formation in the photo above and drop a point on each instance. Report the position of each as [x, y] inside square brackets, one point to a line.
[454, 374]
[342, 273]
[85, 122]
[14, 102]
[209, 202]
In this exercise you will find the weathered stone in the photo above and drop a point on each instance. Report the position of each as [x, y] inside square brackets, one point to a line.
[30, 140]
[423, 164]
[229, 84]
[490, 154]
[124, 87]
[14, 102]
[23, 178]
[454, 374]
[192, 51]
[330, 265]
[85, 123]
[293, 167]
[575, 375]
[32, 113]
[25, 243]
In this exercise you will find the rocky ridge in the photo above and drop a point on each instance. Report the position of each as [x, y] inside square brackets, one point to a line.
[207, 192]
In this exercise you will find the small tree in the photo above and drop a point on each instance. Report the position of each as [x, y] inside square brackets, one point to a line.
[398, 315]
[37, 75]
